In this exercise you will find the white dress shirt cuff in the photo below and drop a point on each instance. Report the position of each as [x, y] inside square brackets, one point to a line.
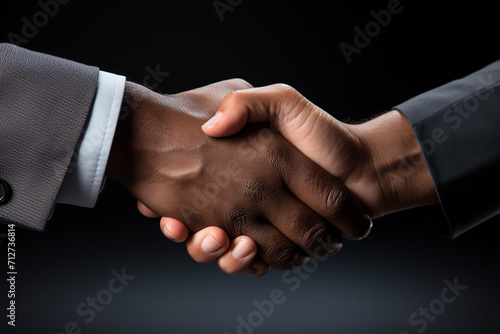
[85, 176]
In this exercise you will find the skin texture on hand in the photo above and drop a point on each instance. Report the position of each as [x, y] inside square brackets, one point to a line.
[254, 183]
[380, 161]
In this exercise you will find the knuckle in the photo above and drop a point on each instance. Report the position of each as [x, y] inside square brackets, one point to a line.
[336, 200]
[277, 251]
[279, 156]
[274, 156]
[287, 96]
[310, 230]
[285, 257]
[238, 83]
[236, 93]
[239, 222]
[233, 95]
[285, 89]
[255, 191]
[312, 238]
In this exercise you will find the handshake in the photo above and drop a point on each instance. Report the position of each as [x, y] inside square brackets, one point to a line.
[290, 185]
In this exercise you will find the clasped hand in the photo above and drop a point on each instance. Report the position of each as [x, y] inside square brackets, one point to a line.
[278, 205]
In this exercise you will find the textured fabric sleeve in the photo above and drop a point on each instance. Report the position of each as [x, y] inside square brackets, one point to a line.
[458, 128]
[44, 105]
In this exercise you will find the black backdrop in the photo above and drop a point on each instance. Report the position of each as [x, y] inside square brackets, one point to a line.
[372, 286]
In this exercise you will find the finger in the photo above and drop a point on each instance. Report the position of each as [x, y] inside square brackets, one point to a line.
[257, 268]
[239, 256]
[174, 229]
[207, 244]
[239, 107]
[301, 225]
[145, 210]
[278, 103]
[273, 247]
[327, 196]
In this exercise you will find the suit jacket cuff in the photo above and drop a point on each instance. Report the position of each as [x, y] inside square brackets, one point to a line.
[457, 128]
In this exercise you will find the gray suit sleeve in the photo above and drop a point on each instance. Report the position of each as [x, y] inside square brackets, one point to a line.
[44, 105]
[458, 128]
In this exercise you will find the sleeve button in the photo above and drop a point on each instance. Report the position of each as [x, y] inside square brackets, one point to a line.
[5, 192]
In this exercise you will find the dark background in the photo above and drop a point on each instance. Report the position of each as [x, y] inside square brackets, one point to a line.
[371, 286]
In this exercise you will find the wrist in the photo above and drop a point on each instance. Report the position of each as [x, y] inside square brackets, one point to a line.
[143, 141]
[118, 146]
[137, 113]
[398, 162]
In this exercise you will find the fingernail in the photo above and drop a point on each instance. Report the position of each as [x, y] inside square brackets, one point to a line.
[215, 118]
[168, 234]
[210, 245]
[241, 250]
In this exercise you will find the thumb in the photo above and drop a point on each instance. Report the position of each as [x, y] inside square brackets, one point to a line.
[275, 103]
[306, 126]
[231, 117]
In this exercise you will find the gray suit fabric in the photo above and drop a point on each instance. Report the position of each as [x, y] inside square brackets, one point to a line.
[44, 105]
[458, 128]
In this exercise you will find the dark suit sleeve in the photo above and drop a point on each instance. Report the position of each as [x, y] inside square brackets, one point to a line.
[458, 128]
[44, 105]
